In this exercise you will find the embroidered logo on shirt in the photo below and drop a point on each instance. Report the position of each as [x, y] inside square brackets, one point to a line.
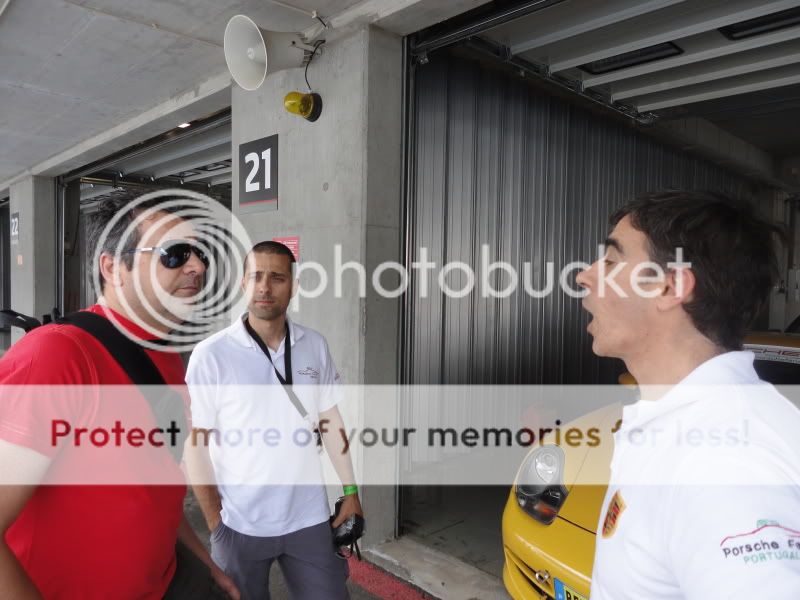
[615, 508]
[309, 372]
[767, 542]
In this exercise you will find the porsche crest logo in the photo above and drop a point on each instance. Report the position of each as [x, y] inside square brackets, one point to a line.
[615, 508]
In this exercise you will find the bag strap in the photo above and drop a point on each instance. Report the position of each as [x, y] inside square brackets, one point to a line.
[11, 318]
[167, 406]
[128, 354]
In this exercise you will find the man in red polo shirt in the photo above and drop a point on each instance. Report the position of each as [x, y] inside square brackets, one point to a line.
[102, 541]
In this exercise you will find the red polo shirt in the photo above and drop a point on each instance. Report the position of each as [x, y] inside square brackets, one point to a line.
[87, 541]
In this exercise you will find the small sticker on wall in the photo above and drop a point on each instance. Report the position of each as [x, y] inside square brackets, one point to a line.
[19, 260]
[291, 242]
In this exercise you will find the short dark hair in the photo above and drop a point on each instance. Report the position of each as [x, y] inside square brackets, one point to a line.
[731, 249]
[273, 247]
[100, 218]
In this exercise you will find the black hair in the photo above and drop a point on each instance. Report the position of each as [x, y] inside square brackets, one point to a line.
[272, 247]
[98, 220]
[731, 249]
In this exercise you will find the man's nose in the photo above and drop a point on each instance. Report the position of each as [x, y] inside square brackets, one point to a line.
[262, 285]
[583, 278]
[194, 265]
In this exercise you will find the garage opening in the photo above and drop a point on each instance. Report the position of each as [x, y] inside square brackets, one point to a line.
[194, 156]
[5, 269]
[524, 133]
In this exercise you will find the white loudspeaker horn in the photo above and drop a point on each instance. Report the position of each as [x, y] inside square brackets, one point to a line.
[252, 53]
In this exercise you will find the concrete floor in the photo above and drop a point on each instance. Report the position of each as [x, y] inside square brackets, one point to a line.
[277, 585]
[452, 546]
[462, 522]
[440, 575]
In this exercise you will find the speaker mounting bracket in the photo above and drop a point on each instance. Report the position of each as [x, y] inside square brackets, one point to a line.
[306, 47]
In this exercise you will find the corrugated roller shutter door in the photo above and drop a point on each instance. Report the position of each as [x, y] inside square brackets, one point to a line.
[498, 162]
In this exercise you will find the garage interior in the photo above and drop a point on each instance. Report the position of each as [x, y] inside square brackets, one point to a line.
[528, 124]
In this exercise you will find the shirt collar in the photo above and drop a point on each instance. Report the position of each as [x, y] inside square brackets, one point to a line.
[239, 333]
[728, 369]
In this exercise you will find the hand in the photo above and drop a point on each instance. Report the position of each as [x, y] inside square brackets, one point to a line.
[351, 505]
[214, 523]
[225, 582]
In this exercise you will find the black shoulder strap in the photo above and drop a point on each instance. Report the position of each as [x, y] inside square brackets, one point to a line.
[127, 353]
[11, 318]
[165, 404]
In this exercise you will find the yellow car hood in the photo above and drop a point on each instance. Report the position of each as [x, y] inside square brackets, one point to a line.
[588, 469]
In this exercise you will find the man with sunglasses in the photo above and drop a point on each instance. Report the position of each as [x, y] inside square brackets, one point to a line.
[258, 388]
[102, 541]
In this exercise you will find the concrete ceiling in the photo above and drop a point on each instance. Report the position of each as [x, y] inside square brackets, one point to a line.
[72, 69]
[82, 79]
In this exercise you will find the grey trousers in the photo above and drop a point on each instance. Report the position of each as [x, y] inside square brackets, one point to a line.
[307, 558]
[192, 579]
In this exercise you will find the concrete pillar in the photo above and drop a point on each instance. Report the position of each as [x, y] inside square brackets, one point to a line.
[339, 191]
[33, 257]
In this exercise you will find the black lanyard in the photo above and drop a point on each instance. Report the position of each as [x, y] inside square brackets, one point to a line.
[286, 382]
[287, 353]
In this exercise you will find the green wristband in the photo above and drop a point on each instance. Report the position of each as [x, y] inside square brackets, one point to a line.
[350, 490]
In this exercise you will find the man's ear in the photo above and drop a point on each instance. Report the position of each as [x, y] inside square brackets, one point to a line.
[678, 289]
[109, 269]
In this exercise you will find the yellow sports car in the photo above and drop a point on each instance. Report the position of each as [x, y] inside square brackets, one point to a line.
[550, 518]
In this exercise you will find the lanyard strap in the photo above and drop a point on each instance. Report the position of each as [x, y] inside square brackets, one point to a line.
[286, 382]
[287, 353]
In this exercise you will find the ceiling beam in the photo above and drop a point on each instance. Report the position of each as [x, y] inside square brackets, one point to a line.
[570, 19]
[206, 175]
[732, 86]
[697, 48]
[192, 161]
[402, 17]
[177, 149]
[721, 68]
[220, 180]
[666, 25]
[97, 190]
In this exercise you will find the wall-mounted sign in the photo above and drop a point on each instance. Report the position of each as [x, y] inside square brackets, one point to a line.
[14, 239]
[292, 243]
[258, 173]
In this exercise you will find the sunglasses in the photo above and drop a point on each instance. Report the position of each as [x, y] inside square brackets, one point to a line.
[176, 254]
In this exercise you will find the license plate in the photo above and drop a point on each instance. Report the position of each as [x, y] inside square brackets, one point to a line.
[564, 592]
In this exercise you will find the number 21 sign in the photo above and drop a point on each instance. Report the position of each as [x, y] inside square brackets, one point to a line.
[258, 173]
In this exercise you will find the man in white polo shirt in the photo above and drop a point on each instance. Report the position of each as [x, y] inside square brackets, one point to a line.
[267, 501]
[704, 497]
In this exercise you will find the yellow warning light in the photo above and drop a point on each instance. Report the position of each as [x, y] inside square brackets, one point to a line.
[308, 106]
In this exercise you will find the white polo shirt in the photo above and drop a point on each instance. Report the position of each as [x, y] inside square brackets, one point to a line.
[266, 489]
[704, 497]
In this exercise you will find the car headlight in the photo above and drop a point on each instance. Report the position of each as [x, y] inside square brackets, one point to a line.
[540, 487]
